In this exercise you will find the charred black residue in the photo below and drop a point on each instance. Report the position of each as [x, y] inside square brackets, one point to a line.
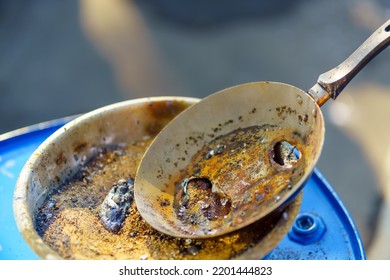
[77, 148]
[45, 216]
[284, 111]
[78, 184]
[160, 173]
[297, 134]
[154, 128]
[303, 119]
[165, 203]
[220, 126]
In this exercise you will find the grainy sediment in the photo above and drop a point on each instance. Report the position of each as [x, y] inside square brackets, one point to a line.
[69, 220]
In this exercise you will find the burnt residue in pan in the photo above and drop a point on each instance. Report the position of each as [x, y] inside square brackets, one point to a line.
[86, 190]
[237, 174]
[70, 222]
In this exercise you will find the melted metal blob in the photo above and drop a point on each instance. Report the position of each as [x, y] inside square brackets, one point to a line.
[116, 205]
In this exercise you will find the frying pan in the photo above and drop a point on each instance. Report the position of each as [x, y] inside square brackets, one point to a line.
[240, 153]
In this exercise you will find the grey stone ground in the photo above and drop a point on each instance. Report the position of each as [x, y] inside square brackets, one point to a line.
[50, 68]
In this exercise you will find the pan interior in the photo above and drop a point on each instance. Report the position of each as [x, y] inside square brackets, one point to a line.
[76, 231]
[229, 160]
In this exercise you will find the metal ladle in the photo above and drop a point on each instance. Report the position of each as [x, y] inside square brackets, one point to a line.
[244, 151]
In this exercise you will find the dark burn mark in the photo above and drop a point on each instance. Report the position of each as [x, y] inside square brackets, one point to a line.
[154, 128]
[220, 126]
[297, 134]
[228, 122]
[160, 173]
[61, 159]
[45, 216]
[194, 140]
[283, 111]
[162, 112]
[303, 119]
[164, 203]
[166, 109]
[79, 147]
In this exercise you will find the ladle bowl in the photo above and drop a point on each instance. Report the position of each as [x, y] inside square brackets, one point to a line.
[239, 154]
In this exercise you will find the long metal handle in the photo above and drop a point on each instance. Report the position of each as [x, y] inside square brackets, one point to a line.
[331, 83]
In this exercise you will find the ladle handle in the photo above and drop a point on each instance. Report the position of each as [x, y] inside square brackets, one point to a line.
[331, 83]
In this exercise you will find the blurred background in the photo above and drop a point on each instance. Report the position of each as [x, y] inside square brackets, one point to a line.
[60, 58]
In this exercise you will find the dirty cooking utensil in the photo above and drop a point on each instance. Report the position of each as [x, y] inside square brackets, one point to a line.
[240, 153]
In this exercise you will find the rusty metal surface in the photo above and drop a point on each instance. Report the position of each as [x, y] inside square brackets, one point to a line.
[127, 122]
[59, 157]
[240, 198]
[235, 150]
[244, 177]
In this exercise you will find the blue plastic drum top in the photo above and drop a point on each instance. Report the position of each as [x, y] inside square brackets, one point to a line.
[323, 229]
